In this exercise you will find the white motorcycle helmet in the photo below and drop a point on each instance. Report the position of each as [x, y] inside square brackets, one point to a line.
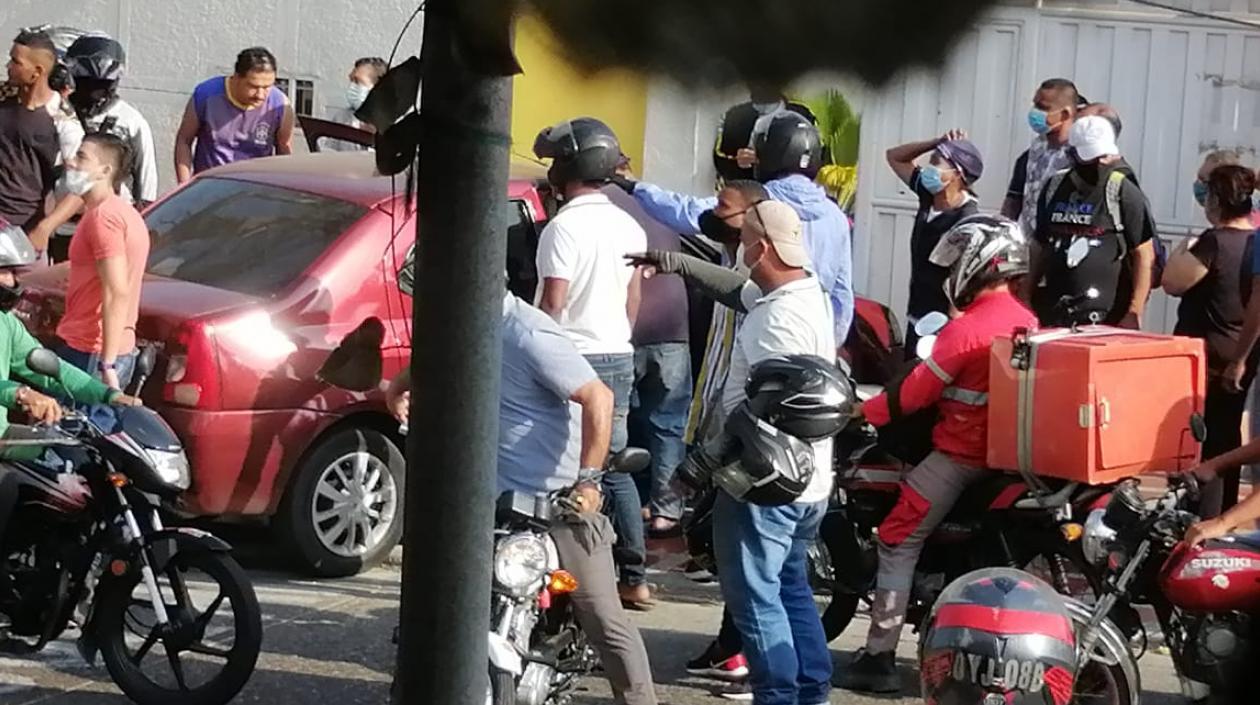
[980, 251]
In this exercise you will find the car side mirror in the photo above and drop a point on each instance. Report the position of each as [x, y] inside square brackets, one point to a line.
[356, 363]
[44, 362]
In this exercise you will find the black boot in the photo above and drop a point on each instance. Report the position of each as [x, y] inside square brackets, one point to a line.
[871, 673]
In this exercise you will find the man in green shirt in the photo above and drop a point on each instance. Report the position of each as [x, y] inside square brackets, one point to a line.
[18, 383]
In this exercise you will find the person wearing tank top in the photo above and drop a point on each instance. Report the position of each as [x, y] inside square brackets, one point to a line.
[1213, 275]
[233, 118]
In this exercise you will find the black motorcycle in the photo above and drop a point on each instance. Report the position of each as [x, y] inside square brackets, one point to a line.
[171, 613]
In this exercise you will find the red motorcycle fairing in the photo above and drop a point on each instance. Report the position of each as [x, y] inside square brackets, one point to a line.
[1222, 575]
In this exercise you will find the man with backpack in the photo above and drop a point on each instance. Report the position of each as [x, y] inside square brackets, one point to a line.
[1094, 241]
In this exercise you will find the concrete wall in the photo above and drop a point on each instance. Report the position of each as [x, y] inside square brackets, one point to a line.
[173, 44]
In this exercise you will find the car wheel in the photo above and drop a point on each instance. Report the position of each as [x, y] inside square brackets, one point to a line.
[343, 512]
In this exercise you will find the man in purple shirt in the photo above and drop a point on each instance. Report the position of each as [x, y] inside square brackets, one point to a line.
[233, 118]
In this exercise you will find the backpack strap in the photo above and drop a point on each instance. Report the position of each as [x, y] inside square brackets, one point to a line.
[1115, 181]
[1052, 186]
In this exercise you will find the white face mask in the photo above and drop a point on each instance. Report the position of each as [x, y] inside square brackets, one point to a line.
[356, 94]
[78, 182]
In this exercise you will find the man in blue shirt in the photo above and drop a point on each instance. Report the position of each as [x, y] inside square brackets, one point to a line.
[789, 154]
[555, 425]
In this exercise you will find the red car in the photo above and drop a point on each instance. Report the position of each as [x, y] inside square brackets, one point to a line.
[257, 272]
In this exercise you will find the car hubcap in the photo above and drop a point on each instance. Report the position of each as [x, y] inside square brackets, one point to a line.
[354, 505]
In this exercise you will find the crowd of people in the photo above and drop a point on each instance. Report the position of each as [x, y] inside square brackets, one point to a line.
[600, 359]
[1075, 244]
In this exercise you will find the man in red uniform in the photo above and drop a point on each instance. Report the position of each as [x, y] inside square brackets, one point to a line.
[986, 256]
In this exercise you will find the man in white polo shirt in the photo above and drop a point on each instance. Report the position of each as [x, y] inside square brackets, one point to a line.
[588, 290]
[760, 550]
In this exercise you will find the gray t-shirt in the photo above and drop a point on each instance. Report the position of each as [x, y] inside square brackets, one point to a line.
[540, 430]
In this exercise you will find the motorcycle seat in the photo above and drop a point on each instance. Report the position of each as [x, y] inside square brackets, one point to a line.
[1007, 491]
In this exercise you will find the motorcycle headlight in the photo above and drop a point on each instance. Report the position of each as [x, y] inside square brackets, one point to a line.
[172, 468]
[519, 562]
[1097, 537]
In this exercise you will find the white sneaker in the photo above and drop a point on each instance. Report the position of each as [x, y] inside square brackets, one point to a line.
[739, 692]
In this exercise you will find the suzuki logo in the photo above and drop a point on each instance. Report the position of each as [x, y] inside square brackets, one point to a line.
[1221, 563]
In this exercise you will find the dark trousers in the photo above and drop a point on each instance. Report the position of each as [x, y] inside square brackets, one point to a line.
[1222, 412]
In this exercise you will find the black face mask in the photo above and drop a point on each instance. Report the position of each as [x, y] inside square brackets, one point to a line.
[717, 229]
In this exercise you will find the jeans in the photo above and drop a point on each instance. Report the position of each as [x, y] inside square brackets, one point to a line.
[584, 543]
[90, 362]
[658, 418]
[760, 553]
[621, 497]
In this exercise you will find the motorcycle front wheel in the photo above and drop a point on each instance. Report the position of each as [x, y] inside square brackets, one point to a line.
[209, 647]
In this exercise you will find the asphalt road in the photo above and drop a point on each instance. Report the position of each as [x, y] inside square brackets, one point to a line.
[329, 641]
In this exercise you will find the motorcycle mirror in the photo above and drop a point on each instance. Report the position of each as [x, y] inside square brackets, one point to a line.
[930, 324]
[145, 361]
[44, 361]
[630, 460]
[356, 363]
[1198, 427]
[923, 348]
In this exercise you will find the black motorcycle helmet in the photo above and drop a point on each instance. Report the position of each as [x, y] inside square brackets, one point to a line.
[581, 149]
[802, 395]
[998, 636]
[96, 62]
[771, 467]
[15, 252]
[789, 144]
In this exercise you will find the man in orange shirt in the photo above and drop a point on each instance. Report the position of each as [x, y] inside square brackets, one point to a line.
[108, 254]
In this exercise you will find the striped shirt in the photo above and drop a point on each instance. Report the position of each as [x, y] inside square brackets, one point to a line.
[705, 416]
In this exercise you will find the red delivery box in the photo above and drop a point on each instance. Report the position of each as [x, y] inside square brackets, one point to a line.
[1094, 405]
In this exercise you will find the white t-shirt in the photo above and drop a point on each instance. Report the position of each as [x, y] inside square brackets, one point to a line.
[586, 244]
[69, 130]
[130, 125]
[795, 319]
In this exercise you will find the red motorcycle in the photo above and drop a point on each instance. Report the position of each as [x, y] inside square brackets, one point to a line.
[1207, 598]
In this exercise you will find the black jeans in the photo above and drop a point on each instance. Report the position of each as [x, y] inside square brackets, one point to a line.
[1222, 412]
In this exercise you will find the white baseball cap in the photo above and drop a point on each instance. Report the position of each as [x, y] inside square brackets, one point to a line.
[1092, 137]
[778, 223]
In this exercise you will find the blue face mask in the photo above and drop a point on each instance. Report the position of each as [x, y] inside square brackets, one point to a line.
[1038, 121]
[930, 179]
[1200, 192]
[1255, 201]
[356, 95]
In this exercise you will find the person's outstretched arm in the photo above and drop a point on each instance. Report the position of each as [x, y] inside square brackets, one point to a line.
[719, 283]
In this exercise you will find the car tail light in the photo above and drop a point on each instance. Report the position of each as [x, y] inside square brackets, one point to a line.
[192, 371]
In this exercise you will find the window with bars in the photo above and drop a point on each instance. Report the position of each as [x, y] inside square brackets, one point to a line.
[301, 94]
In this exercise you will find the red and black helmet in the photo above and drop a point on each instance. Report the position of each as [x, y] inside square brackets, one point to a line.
[998, 637]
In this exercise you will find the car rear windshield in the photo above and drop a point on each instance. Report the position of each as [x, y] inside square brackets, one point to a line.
[243, 236]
